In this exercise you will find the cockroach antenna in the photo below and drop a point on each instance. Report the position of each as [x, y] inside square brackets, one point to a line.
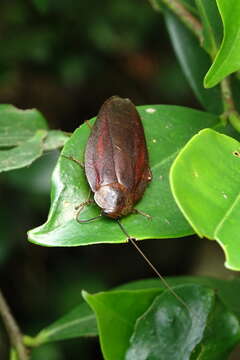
[133, 241]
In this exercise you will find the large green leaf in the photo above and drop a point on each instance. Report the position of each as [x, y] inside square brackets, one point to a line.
[141, 324]
[221, 335]
[227, 290]
[167, 129]
[212, 25]
[168, 330]
[194, 62]
[228, 58]
[204, 181]
[81, 321]
[18, 126]
[117, 312]
[24, 154]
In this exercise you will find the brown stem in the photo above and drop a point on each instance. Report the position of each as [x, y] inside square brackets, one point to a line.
[228, 102]
[186, 17]
[13, 330]
[230, 111]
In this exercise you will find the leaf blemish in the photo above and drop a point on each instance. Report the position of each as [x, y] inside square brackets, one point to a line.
[236, 153]
[195, 173]
[154, 141]
[224, 195]
[150, 110]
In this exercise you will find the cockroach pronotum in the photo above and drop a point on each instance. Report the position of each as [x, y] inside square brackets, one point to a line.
[116, 164]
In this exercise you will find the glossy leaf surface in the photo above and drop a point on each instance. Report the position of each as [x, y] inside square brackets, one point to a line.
[167, 129]
[228, 57]
[204, 181]
[116, 314]
[81, 321]
[170, 329]
[141, 324]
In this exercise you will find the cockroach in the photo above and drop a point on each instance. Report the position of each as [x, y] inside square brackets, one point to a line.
[117, 166]
[116, 158]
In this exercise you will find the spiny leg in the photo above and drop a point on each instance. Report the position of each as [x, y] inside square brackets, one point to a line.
[81, 206]
[79, 162]
[136, 211]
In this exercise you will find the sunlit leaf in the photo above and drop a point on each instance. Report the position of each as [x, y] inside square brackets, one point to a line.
[204, 181]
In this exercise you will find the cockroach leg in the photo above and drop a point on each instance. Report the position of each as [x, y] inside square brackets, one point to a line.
[79, 162]
[80, 207]
[136, 211]
[88, 124]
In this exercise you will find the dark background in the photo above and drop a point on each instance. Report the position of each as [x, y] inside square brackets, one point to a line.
[65, 57]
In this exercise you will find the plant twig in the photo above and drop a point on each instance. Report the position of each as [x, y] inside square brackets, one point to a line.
[13, 330]
[186, 17]
[228, 102]
[230, 111]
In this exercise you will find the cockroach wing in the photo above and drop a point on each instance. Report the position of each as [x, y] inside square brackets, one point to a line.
[116, 150]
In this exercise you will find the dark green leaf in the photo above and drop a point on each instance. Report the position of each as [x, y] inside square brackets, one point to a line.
[222, 334]
[167, 129]
[227, 290]
[24, 154]
[212, 25]
[228, 57]
[117, 312]
[194, 62]
[18, 126]
[168, 330]
[204, 183]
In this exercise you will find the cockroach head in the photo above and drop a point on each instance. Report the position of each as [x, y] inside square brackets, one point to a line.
[111, 199]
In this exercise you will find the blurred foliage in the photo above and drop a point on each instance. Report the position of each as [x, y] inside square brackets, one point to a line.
[65, 57]
[61, 55]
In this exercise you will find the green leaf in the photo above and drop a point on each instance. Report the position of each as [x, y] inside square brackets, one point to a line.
[167, 129]
[55, 139]
[204, 182]
[81, 321]
[212, 25]
[116, 313]
[24, 154]
[228, 57]
[170, 329]
[227, 290]
[194, 62]
[18, 126]
[207, 331]
[221, 335]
